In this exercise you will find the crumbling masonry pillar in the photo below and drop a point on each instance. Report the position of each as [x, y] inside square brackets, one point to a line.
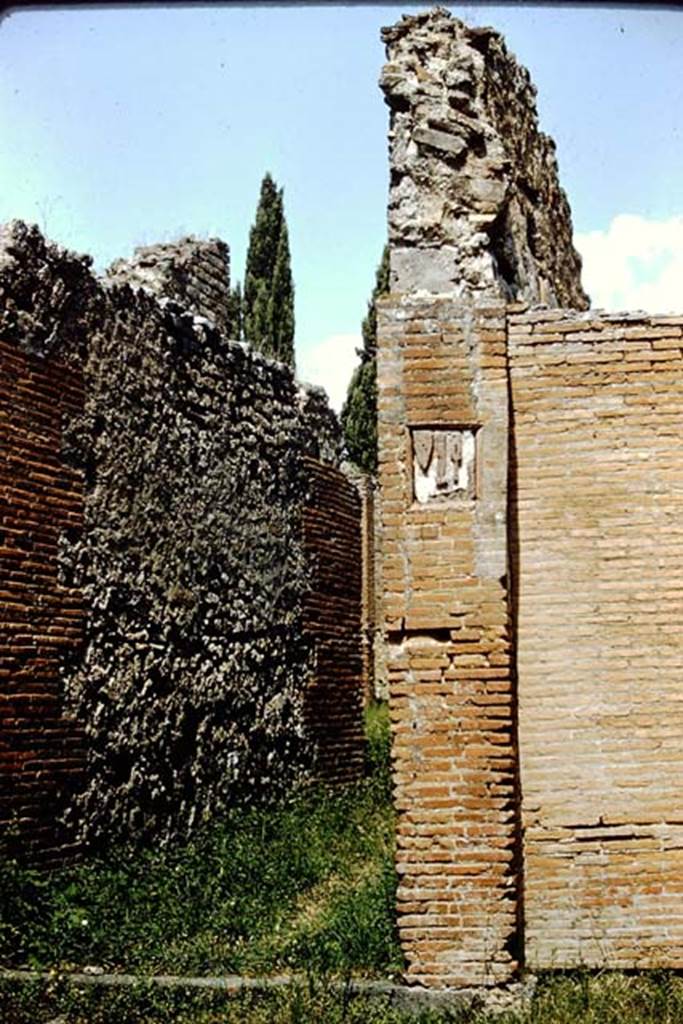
[477, 221]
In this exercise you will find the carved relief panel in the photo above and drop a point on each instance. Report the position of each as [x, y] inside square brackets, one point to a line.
[443, 463]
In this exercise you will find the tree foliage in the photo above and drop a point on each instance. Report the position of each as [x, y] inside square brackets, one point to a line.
[235, 313]
[268, 301]
[359, 415]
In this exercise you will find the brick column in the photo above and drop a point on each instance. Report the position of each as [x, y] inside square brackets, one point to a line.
[333, 700]
[443, 429]
[41, 614]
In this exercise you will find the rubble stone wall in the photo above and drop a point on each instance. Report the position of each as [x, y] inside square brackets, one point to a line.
[475, 205]
[193, 460]
[597, 479]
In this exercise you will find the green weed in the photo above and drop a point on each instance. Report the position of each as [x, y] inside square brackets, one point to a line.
[313, 1002]
[579, 998]
[260, 889]
[608, 997]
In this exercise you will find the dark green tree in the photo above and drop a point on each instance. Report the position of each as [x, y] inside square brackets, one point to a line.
[281, 301]
[268, 303]
[359, 415]
[235, 313]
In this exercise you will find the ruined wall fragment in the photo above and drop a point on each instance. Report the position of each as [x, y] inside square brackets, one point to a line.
[194, 460]
[195, 272]
[50, 300]
[443, 381]
[531, 497]
[475, 206]
[476, 219]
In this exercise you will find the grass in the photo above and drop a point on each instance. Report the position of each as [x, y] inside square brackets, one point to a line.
[575, 998]
[312, 1003]
[608, 997]
[306, 886]
[307, 883]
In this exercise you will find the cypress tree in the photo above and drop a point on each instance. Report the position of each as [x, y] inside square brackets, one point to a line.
[369, 328]
[359, 415]
[235, 313]
[281, 303]
[268, 303]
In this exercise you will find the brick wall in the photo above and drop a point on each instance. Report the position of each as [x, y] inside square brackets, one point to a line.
[372, 675]
[598, 493]
[443, 405]
[41, 619]
[332, 616]
[533, 635]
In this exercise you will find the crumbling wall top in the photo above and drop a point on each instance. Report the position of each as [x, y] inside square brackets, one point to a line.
[475, 205]
[193, 271]
[49, 299]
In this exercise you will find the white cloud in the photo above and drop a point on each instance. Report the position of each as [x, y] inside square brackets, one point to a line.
[330, 364]
[636, 264]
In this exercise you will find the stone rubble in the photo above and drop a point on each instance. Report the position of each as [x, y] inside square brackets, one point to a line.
[475, 207]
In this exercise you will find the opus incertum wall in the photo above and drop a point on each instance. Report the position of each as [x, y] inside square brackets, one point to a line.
[531, 501]
[173, 511]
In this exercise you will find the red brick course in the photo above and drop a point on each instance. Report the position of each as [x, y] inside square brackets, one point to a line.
[598, 489]
[41, 747]
[448, 647]
[332, 615]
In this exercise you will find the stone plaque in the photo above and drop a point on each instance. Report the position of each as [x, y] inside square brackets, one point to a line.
[443, 462]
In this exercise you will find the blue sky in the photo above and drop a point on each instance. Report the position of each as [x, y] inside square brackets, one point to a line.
[129, 125]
